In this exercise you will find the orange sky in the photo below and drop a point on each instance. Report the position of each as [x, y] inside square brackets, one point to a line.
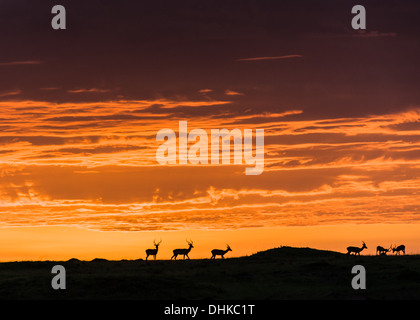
[104, 176]
[63, 243]
[80, 109]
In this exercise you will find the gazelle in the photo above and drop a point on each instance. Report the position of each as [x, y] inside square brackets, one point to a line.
[184, 252]
[153, 252]
[381, 250]
[219, 252]
[356, 250]
[398, 249]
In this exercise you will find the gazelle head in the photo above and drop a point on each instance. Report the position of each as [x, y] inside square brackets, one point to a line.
[190, 243]
[364, 245]
[157, 244]
[228, 248]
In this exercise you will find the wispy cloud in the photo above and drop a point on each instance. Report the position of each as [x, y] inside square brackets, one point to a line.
[193, 104]
[290, 56]
[317, 170]
[373, 34]
[10, 93]
[91, 90]
[20, 63]
[233, 93]
[205, 90]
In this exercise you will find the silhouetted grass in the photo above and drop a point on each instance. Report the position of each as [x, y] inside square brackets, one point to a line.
[281, 273]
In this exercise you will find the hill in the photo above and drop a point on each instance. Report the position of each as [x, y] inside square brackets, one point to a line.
[279, 273]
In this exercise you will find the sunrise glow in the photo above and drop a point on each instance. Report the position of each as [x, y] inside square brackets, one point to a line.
[79, 117]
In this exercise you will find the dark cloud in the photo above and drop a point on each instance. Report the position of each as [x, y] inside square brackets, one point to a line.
[290, 56]
[406, 126]
[171, 49]
[81, 107]
[48, 140]
[20, 63]
[100, 149]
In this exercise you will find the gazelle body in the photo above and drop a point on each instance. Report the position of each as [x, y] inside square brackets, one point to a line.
[381, 250]
[398, 249]
[153, 252]
[184, 252]
[219, 252]
[356, 250]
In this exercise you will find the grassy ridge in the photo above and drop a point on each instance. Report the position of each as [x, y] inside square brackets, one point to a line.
[281, 273]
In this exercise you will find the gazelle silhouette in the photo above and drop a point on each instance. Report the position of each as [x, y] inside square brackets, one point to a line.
[184, 252]
[356, 250]
[219, 252]
[153, 252]
[381, 250]
[398, 249]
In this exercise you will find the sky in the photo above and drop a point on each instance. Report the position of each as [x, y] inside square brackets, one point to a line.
[80, 109]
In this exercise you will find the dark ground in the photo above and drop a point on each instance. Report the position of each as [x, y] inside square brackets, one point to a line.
[281, 273]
